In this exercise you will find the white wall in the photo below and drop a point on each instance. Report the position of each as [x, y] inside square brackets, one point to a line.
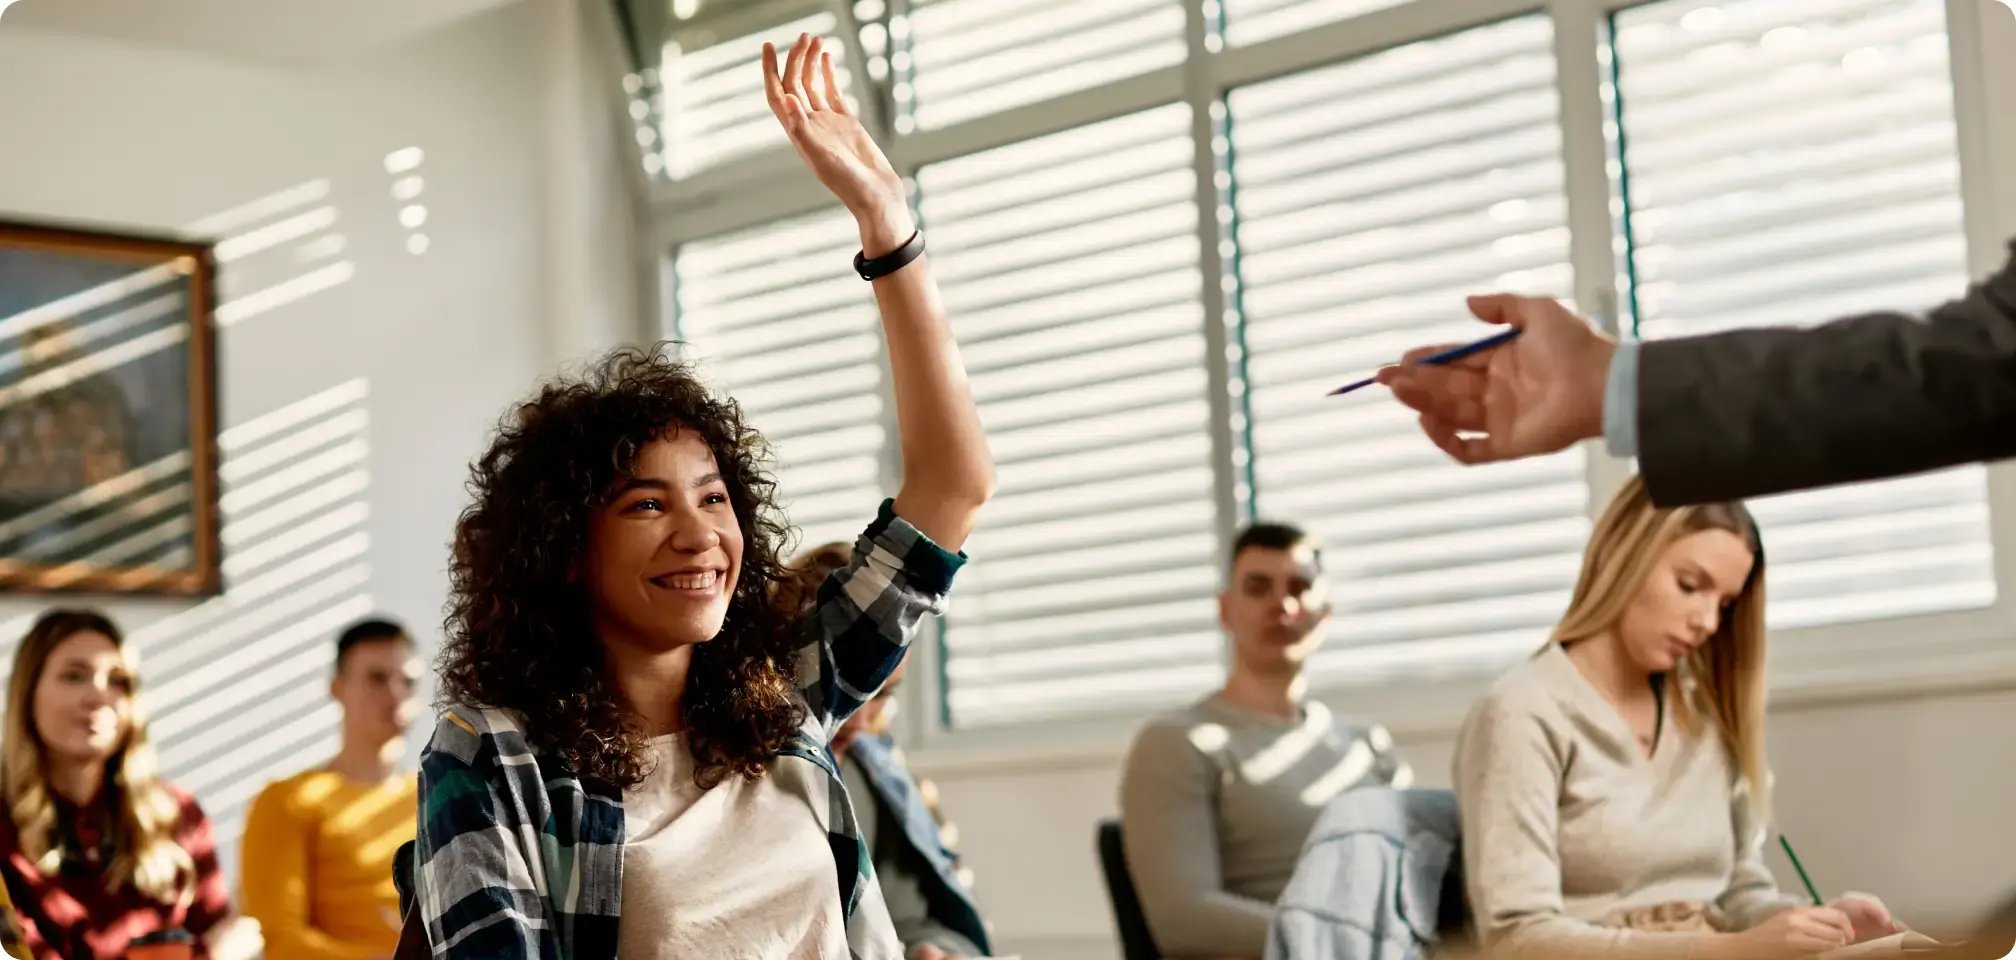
[411, 358]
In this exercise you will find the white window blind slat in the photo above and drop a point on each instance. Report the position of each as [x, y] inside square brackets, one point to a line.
[1070, 269]
[1365, 212]
[1251, 21]
[1790, 161]
[1071, 534]
[1081, 632]
[1389, 74]
[971, 58]
[1091, 659]
[1120, 224]
[1689, 144]
[1014, 191]
[1067, 310]
[803, 361]
[1733, 31]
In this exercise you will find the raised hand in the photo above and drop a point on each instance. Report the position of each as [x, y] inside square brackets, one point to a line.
[806, 99]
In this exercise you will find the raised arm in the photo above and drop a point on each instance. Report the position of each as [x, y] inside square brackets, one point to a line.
[1738, 414]
[947, 470]
[1754, 412]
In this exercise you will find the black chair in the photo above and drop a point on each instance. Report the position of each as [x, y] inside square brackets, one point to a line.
[1135, 941]
[403, 870]
[412, 943]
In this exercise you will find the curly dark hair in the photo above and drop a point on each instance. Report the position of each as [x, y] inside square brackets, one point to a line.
[519, 633]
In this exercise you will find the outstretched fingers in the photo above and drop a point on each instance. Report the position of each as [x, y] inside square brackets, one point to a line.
[809, 85]
[834, 101]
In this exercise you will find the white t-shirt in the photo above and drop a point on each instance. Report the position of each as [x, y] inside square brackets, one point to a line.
[738, 872]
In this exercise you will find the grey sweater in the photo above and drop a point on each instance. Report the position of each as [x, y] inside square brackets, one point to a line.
[1216, 801]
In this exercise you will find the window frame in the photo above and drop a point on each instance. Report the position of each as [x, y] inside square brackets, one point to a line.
[1852, 661]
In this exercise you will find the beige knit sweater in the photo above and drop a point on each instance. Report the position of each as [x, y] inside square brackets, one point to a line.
[1568, 826]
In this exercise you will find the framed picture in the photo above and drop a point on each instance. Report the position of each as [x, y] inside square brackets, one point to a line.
[108, 413]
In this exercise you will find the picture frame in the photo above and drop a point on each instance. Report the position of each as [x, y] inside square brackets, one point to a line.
[108, 413]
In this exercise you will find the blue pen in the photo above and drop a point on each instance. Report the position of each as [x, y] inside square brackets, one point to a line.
[1446, 356]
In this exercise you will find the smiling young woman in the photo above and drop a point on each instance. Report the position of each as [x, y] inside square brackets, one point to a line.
[634, 755]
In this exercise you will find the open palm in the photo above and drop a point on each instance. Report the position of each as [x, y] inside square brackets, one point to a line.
[806, 99]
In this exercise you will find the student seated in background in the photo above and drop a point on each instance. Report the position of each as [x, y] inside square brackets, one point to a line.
[1614, 790]
[920, 876]
[1216, 799]
[96, 849]
[317, 866]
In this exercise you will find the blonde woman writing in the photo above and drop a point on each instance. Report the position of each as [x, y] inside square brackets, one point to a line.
[1614, 787]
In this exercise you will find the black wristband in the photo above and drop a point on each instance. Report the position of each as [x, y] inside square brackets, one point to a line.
[890, 262]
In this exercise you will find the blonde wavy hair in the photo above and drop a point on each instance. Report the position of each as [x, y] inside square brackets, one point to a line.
[145, 854]
[1723, 679]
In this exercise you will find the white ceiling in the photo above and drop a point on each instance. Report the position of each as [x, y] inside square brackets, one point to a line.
[292, 31]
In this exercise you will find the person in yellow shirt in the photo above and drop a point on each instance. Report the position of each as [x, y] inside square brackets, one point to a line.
[12, 941]
[318, 847]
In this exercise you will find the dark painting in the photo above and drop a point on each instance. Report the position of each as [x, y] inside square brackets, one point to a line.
[108, 461]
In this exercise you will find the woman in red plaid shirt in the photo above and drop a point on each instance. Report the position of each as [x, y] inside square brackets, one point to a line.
[95, 848]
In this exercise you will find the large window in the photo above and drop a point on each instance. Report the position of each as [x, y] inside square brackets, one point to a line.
[1165, 228]
[1787, 162]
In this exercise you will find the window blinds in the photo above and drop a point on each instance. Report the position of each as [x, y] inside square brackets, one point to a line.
[777, 321]
[713, 108]
[970, 58]
[1371, 196]
[1791, 161]
[1251, 21]
[1070, 267]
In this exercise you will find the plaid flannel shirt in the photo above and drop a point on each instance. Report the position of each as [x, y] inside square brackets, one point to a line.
[519, 859]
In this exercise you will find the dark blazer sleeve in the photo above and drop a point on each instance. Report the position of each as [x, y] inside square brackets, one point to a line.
[1753, 412]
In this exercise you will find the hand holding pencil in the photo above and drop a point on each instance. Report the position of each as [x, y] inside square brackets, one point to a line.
[1523, 397]
[1871, 919]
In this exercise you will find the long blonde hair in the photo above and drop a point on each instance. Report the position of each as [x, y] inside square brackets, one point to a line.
[1724, 677]
[145, 854]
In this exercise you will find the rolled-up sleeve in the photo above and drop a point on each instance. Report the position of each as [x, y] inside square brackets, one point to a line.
[868, 611]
